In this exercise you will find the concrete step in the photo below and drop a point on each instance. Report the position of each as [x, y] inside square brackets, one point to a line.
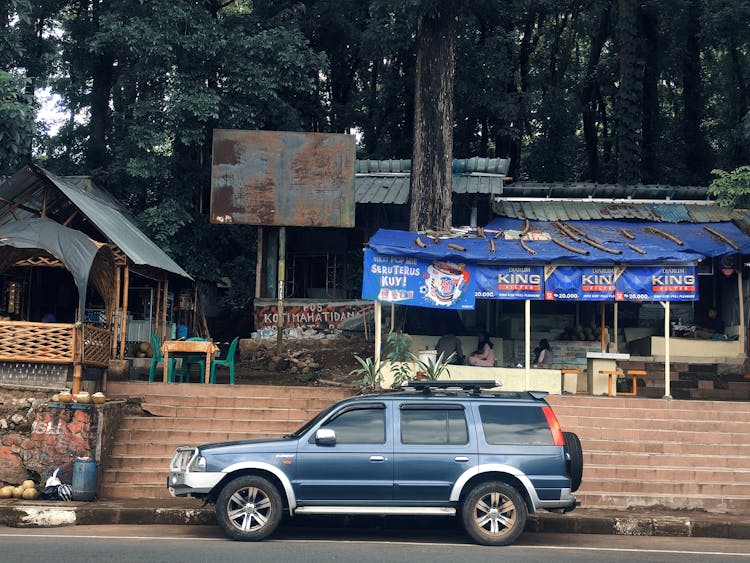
[190, 437]
[593, 402]
[137, 477]
[649, 421]
[623, 501]
[634, 475]
[660, 447]
[129, 461]
[241, 401]
[239, 424]
[164, 448]
[229, 413]
[678, 489]
[567, 412]
[134, 490]
[656, 434]
[127, 389]
[645, 460]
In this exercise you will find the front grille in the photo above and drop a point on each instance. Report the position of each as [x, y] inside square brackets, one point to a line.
[182, 458]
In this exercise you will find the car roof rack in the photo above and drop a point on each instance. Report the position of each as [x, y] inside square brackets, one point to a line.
[474, 386]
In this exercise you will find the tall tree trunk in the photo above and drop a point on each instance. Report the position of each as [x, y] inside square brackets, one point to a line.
[628, 96]
[432, 154]
[588, 96]
[695, 145]
[101, 88]
[649, 17]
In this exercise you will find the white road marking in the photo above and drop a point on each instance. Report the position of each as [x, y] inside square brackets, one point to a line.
[384, 542]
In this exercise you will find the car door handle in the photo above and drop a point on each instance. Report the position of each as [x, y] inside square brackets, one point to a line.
[377, 458]
[461, 458]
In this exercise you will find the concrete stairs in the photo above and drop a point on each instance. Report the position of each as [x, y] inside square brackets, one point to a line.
[638, 452]
[192, 414]
[662, 454]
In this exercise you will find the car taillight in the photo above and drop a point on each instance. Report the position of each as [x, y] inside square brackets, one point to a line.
[554, 426]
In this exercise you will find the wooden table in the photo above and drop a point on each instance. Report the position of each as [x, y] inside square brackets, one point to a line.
[188, 347]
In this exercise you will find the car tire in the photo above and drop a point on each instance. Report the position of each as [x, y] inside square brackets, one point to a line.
[494, 513]
[249, 508]
[574, 454]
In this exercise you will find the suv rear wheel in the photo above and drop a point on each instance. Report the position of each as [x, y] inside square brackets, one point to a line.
[494, 513]
[249, 508]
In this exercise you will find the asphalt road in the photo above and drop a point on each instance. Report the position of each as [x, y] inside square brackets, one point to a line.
[182, 544]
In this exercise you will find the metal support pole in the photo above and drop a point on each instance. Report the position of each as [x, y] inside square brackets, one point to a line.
[527, 343]
[667, 326]
[125, 296]
[615, 328]
[378, 334]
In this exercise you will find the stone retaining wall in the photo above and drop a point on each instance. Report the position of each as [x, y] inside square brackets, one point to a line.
[60, 433]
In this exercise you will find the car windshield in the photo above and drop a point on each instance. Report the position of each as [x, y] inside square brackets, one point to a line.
[310, 423]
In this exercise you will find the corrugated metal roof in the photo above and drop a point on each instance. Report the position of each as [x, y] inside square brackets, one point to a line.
[394, 188]
[587, 189]
[474, 164]
[106, 213]
[549, 210]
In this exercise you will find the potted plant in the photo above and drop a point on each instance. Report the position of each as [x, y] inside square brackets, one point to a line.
[368, 373]
[433, 370]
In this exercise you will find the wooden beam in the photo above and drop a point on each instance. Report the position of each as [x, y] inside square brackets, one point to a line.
[125, 296]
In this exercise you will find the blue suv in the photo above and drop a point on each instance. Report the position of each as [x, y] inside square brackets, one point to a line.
[434, 449]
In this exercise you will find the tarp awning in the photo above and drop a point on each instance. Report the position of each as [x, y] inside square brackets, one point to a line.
[77, 252]
[650, 244]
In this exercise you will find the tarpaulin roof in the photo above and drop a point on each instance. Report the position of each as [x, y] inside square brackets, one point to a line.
[647, 247]
[73, 248]
[25, 197]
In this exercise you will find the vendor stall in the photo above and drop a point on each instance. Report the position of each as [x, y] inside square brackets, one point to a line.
[511, 259]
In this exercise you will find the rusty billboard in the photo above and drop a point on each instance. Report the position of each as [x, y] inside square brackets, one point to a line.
[282, 178]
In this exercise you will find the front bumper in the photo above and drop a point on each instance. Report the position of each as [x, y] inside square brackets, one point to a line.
[184, 483]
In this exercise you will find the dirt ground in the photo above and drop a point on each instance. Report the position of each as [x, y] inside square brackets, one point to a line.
[300, 362]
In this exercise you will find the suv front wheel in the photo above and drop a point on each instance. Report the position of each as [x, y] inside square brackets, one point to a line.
[494, 513]
[249, 508]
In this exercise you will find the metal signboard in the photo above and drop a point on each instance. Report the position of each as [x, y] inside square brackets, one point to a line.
[282, 178]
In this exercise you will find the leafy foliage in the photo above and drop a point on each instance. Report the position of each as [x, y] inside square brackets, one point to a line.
[398, 346]
[368, 373]
[434, 370]
[731, 188]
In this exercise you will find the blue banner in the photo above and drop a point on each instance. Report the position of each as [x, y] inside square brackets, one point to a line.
[657, 283]
[580, 283]
[409, 281]
[509, 282]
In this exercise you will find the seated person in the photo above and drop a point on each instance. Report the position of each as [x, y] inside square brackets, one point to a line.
[450, 344]
[542, 355]
[484, 355]
[712, 327]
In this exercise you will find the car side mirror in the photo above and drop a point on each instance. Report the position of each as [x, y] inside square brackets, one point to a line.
[325, 437]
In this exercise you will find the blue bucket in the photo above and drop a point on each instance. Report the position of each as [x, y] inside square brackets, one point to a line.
[84, 479]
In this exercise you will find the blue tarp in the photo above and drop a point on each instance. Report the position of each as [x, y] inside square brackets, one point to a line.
[698, 243]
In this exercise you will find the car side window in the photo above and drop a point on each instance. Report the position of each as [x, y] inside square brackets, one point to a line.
[434, 425]
[359, 426]
[522, 425]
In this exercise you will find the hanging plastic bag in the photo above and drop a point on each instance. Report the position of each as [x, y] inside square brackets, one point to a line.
[53, 481]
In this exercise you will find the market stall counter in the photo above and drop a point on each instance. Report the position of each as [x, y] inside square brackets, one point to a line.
[598, 362]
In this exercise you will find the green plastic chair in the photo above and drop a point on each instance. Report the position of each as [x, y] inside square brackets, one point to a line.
[158, 358]
[188, 361]
[228, 361]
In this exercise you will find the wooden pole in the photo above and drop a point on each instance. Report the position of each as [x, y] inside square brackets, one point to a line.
[156, 304]
[77, 352]
[125, 296]
[393, 317]
[741, 297]
[259, 263]
[116, 309]
[616, 322]
[165, 293]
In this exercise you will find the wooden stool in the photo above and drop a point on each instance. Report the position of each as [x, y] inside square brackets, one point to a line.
[610, 373]
[633, 373]
[572, 371]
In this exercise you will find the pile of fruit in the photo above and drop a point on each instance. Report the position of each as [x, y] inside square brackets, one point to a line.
[26, 490]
